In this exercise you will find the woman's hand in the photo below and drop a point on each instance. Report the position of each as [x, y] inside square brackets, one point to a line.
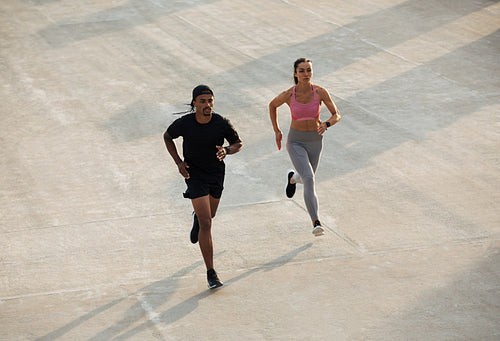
[279, 138]
[322, 128]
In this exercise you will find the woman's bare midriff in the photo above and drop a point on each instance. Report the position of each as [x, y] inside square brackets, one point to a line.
[305, 125]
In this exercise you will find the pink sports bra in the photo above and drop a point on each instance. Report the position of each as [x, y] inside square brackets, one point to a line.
[308, 111]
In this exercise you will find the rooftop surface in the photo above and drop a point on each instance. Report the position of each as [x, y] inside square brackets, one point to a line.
[94, 229]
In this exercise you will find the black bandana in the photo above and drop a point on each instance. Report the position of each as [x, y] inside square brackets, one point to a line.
[202, 90]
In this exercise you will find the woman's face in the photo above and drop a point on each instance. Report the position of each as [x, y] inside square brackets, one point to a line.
[304, 72]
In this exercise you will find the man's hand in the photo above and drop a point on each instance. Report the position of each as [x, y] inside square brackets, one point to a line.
[221, 153]
[183, 166]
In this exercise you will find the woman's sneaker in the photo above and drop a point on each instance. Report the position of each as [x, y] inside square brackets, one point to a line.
[290, 188]
[195, 229]
[213, 280]
[318, 229]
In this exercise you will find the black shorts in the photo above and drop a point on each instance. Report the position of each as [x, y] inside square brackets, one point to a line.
[198, 187]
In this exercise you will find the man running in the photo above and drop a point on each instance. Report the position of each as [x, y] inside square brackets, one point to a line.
[203, 132]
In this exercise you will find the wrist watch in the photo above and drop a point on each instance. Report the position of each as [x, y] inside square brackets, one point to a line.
[328, 124]
[227, 150]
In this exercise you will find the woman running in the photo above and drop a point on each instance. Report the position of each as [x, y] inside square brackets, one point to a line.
[305, 138]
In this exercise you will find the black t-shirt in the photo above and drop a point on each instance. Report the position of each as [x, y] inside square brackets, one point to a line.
[200, 141]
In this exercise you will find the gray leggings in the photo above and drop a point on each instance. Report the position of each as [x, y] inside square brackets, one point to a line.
[304, 148]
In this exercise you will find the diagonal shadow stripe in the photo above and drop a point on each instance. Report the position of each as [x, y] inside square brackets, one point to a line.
[184, 308]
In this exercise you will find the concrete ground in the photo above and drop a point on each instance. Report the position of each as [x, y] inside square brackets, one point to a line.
[95, 233]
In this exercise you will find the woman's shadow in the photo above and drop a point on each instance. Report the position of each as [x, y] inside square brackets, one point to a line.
[155, 295]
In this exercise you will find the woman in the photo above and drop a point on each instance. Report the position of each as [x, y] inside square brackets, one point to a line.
[305, 138]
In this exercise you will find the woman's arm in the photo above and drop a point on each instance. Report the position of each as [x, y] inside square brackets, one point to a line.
[327, 99]
[273, 114]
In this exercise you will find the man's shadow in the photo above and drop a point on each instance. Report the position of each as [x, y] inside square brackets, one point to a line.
[135, 312]
[153, 296]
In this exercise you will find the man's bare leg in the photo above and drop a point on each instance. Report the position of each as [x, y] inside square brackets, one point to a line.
[205, 209]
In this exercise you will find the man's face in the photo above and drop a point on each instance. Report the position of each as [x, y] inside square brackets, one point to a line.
[204, 104]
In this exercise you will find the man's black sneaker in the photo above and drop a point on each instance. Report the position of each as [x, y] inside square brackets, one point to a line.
[290, 188]
[213, 280]
[318, 229]
[195, 229]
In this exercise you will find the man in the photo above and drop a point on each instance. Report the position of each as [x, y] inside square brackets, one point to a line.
[203, 132]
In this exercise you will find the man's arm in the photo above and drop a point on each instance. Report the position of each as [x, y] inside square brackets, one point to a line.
[172, 150]
[231, 149]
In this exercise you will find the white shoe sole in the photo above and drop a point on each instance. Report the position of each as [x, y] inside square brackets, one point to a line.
[218, 285]
[318, 231]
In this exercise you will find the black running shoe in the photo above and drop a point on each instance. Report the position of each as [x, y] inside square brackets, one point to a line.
[290, 188]
[195, 229]
[318, 230]
[213, 280]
